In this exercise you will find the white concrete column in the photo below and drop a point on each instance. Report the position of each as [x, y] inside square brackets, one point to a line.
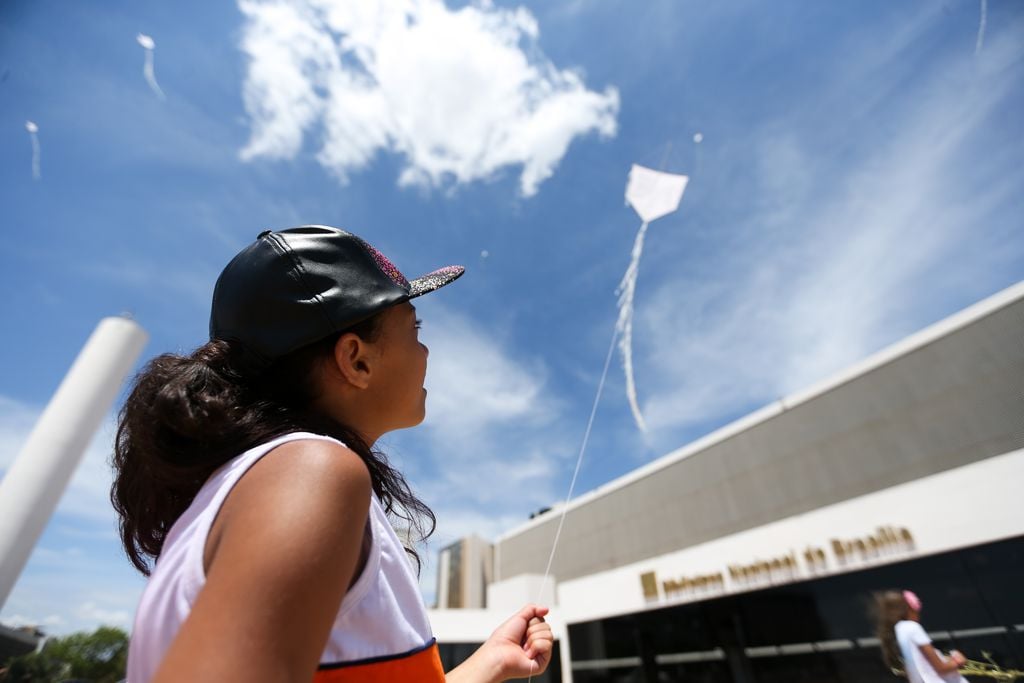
[33, 485]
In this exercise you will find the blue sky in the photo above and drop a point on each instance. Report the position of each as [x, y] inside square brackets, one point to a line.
[860, 177]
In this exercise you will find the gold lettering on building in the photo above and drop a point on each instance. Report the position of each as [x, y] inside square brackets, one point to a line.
[885, 541]
[706, 583]
[782, 568]
[682, 587]
[814, 559]
[649, 581]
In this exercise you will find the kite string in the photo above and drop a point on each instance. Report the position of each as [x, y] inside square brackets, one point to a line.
[579, 461]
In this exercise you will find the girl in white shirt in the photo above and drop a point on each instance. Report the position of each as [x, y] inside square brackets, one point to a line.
[905, 645]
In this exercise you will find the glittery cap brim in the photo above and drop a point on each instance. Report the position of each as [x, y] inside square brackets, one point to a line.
[435, 280]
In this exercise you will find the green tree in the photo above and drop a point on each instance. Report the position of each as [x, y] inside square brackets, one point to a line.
[33, 667]
[97, 657]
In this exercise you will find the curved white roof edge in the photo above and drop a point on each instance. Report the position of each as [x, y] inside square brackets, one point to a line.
[915, 341]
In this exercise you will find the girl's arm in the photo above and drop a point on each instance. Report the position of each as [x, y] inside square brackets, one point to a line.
[941, 665]
[519, 648]
[283, 551]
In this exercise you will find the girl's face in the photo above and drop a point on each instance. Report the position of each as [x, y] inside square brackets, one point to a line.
[401, 366]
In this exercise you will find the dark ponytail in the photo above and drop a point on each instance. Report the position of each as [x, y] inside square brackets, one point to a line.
[188, 415]
[890, 607]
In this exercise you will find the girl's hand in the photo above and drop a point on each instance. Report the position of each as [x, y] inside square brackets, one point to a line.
[519, 648]
[958, 657]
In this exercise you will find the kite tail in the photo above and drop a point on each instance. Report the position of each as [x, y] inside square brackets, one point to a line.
[36, 173]
[147, 71]
[624, 325]
[981, 27]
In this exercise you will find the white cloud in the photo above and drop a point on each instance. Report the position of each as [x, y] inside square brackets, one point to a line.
[90, 611]
[19, 620]
[490, 418]
[79, 594]
[494, 442]
[459, 94]
[474, 383]
[831, 265]
[16, 421]
[191, 283]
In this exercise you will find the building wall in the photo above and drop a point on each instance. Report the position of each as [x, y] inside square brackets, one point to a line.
[978, 503]
[477, 567]
[949, 396]
[464, 572]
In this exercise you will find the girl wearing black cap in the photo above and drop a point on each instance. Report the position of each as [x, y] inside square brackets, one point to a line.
[250, 494]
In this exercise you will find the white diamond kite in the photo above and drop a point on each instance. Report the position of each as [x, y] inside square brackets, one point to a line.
[652, 194]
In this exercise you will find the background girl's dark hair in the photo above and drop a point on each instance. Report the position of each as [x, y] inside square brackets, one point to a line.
[890, 607]
[188, 415]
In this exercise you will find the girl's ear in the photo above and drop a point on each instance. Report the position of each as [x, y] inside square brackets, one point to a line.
[353, 359]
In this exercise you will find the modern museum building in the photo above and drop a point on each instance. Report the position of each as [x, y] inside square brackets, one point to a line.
[752, 554]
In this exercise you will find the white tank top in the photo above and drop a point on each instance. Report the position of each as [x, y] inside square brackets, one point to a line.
[382, 621]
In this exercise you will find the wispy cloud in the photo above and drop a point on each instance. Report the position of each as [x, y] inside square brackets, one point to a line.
[491, 416]
[16, 421]
[836, 260]
[475, 384]
[494, 438]
[93, 612]
[191, 282]
[49, 621]
[460, 94]
[79, 594]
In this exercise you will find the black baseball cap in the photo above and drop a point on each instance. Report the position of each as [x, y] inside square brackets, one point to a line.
[293, 287]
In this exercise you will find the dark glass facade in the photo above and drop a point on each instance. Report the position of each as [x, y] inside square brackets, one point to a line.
[818, 631]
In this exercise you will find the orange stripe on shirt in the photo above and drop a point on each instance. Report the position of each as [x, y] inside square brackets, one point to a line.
[419, 666]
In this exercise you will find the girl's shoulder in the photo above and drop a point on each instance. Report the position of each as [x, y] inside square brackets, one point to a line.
[300, 449]
[300, 495]
[310, 464]
[300, 471]
[911, 629]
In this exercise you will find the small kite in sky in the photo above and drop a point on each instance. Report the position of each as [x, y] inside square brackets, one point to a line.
[149, 45]
[652, 194]
[33, 133]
